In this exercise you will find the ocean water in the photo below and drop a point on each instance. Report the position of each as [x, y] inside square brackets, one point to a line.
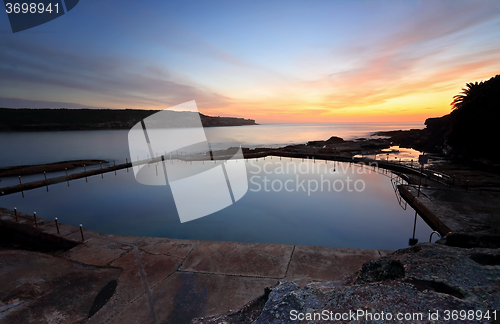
[21, 148]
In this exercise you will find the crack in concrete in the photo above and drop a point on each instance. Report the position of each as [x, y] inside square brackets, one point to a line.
[227, 274]
[161, 281]
[121, 256]
[129, 304]
[110, 239]
[149, 296]
[64, 236]
[289, 261]
[187, 255]
[164, 254]
[177, 269]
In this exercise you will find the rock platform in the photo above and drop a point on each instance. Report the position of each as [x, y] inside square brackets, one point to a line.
[122, 279]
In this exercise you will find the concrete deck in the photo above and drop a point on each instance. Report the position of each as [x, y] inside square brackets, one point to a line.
[159, 280]
[455, 209]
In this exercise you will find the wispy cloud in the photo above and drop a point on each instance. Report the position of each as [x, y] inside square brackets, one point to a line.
[119, 81]
[23, 103]
[419, 56]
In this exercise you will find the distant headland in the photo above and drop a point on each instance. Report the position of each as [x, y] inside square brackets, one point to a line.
[91, 119]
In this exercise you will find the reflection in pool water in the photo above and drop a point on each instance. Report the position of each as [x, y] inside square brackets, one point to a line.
[289, 201]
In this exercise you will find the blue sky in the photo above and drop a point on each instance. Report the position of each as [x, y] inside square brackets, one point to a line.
[274, 61]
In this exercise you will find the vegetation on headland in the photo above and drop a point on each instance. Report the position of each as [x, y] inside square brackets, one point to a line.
[469, 133]
[91, 119]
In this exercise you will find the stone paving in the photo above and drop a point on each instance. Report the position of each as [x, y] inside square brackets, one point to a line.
[454, 209]
[159, 280]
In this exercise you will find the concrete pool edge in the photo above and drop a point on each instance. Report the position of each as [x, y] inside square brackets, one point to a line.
[427, 209]
[454, 210]
[166, 278]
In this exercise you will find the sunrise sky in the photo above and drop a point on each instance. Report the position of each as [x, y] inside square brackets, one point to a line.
[273, 61]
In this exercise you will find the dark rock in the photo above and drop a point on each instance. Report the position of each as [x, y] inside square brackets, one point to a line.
[425, 278]
[486, 259]
[331, 140]
[316, 143]
[472, 240]
[439, 287]
[281, 298]
[380, 270]
[334, 140]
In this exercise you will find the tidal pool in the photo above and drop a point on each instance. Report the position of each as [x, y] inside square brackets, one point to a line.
[289, 201]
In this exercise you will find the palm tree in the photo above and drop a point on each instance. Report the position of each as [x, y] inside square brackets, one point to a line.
[468, 94]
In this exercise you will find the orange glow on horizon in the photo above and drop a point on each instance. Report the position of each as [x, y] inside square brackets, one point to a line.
[317, 103]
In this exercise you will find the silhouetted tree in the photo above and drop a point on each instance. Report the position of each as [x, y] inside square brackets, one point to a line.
[475, 118]
[468, 94]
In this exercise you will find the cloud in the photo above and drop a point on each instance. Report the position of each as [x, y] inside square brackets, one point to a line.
[419, 56]
[23, 103]
[437, 48]
[115, 80]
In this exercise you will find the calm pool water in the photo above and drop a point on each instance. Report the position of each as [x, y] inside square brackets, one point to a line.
[289, 201]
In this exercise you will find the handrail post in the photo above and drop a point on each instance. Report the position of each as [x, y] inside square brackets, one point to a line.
[434, 232]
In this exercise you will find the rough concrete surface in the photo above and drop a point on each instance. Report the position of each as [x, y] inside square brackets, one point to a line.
[39, 288]
[245, 259]
[314, 263]
[158, 280]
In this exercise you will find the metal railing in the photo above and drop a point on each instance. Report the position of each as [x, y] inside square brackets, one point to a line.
[396, 181]
[434, 232]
